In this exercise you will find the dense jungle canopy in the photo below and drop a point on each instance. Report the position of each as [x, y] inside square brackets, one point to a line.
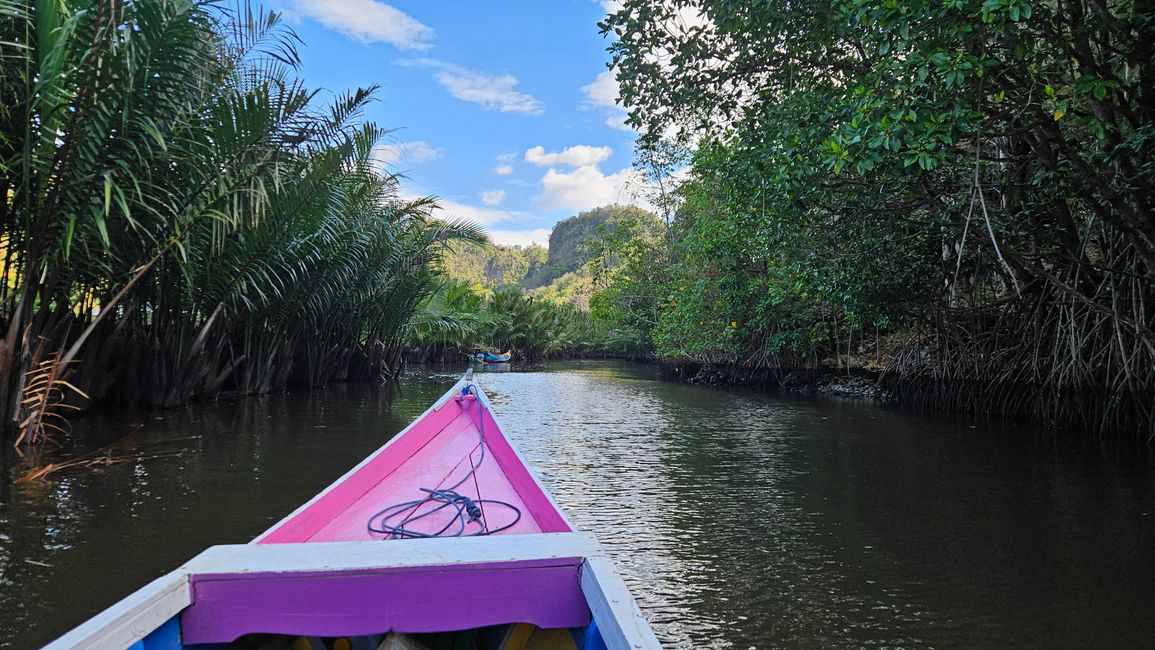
[960, 193]
[183, 216]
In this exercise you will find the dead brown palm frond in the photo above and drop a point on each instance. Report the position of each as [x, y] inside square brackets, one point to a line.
[116, 453]
[45, 394]
[91, 460]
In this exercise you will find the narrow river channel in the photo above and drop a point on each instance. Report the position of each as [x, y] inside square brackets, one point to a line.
[740, 520]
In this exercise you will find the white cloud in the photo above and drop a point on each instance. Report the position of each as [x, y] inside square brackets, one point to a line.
[602, 94]
[492, 198]
[478, 215]
[577, 156]
[603, 91]
[368, 21]
[539, 236]
[504, 168]
[491, 92]
[587, 187]
[488, 217]
[414, 153]
[618, 121]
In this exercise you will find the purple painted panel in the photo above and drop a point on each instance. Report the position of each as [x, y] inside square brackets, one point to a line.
[546, 593]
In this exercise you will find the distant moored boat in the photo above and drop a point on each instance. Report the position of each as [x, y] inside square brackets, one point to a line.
[490, 357]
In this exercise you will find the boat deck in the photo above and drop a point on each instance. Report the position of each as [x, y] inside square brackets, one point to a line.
[314, 574]
[440, 450]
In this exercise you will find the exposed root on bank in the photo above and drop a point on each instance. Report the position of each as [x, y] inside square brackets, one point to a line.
[1070, 362]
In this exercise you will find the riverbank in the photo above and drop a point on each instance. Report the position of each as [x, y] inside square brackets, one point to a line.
[1066, 410]
[857, 384]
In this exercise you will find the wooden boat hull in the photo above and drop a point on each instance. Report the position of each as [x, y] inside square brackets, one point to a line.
[321, 573]
[435, 451]
[489, 357]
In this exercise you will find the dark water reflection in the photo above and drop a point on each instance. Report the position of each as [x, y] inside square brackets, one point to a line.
[739, 520]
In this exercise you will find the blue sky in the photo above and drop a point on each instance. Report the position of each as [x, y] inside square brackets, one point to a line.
[504, 110]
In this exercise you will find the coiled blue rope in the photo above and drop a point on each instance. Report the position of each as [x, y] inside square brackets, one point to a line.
[468, 514]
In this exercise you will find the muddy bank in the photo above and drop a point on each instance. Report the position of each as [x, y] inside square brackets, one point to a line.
[858, 383]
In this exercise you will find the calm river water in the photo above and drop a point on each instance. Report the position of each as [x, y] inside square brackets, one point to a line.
[740, 520]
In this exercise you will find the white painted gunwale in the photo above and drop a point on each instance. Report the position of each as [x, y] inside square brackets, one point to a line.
[358, 556]
[614, 609]
[132, 618]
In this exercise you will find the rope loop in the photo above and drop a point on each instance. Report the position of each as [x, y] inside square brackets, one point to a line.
[466, 513]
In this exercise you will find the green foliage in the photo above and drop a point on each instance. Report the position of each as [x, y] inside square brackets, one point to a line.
[569, 242]
[461, 318]
[572, 288]
[184, 213]
[564, 274]
[495, 265]
[455, 316]
[538, 329]
[984, 167]
[628, 269]
[491, 297]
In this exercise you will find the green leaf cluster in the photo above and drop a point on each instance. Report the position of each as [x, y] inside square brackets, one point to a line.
[980, 168]
[460, 317]
[184, 215]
